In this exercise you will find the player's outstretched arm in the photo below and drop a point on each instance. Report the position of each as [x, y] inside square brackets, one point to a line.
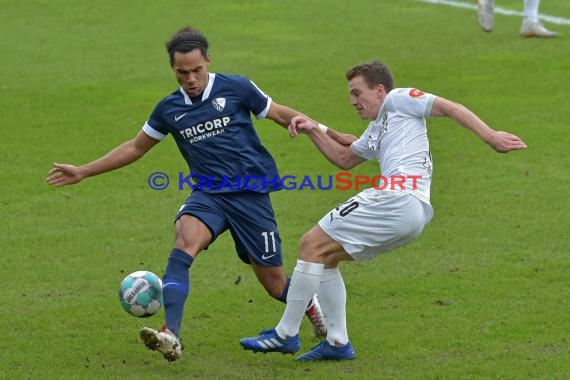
[64, 174]
[502, 142]
[283, 115]
[336, 149]
[341, 138]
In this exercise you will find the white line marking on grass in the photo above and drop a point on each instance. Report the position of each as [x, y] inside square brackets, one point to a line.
[498, 10]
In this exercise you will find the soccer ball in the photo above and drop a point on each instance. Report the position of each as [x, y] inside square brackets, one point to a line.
[141, 294]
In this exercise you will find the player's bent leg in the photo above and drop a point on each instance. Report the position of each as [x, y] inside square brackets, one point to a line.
[275, 283]
[316, 246]
[192, 235]
[163, 341]
[332, 294]
[272, 279]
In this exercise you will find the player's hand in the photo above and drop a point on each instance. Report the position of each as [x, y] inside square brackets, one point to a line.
[63, 174]
[301, 124]
[504, 142]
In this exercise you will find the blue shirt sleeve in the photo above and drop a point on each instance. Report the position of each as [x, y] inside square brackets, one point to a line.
[156, 127]
[254, 98]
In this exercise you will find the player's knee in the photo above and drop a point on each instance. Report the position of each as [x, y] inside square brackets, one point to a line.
[308, 249]
[191, 237]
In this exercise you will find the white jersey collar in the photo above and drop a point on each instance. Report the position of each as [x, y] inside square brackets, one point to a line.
[205, 94]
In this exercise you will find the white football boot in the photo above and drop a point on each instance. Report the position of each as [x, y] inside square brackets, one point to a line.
[536, 29]
[163, 341]
[485, 14]
[317, 318]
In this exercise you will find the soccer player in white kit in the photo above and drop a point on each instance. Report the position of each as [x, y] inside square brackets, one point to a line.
[531, 25]
[378, 219]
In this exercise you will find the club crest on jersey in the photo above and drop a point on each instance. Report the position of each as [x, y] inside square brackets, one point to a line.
[415, 93]
[219, 104]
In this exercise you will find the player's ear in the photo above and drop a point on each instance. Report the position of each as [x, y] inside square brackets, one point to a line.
[380, 91]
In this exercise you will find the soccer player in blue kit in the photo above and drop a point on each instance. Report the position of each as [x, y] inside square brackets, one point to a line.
[209, 118]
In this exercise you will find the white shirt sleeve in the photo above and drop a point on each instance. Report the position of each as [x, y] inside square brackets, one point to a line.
[151, 132]
[263, 114]
[411, 102]
[361, 147]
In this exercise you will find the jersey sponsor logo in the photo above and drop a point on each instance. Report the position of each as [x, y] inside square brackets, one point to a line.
[205, 130]
[415, 93]
[219, 104]
[178, 117]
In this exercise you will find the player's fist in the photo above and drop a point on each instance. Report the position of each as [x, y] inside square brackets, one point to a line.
[301, 124]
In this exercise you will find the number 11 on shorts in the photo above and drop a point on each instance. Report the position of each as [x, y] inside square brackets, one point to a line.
[269, 236]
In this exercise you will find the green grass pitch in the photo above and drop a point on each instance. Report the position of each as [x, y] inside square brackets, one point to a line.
[482, 294]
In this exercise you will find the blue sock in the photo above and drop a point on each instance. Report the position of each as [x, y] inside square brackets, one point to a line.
[283, 297]
[176, 287]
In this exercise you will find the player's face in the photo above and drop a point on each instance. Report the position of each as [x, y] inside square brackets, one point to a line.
[367, 101]
[191, 70]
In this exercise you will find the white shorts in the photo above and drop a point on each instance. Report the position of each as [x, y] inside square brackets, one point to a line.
[376, 221]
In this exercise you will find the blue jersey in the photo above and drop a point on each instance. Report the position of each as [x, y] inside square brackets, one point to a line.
[216, 137]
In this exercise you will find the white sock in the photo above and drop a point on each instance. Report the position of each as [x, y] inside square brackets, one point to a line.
[531, 10]
[332, 297]
[304, 283]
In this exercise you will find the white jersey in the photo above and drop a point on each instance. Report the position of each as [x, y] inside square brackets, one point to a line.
[398, 140]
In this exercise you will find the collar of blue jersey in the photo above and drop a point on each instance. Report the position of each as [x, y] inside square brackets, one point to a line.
[205, 94]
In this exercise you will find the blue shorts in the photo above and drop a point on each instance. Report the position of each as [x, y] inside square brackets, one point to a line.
[248, 215]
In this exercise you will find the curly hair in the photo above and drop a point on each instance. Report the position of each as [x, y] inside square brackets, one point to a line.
[186, 40]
